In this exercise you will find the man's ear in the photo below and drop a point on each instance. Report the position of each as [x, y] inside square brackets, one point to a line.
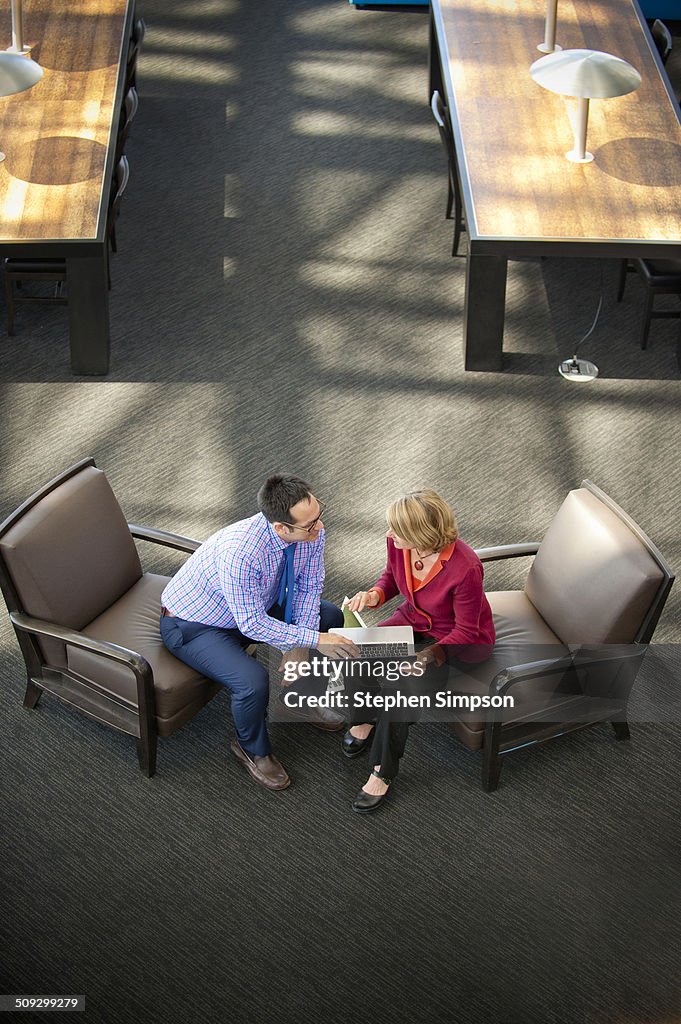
[281, 530]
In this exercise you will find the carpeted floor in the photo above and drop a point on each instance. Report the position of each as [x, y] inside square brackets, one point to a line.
[284, 297]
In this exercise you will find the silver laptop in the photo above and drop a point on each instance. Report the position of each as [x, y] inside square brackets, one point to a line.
[379, 641]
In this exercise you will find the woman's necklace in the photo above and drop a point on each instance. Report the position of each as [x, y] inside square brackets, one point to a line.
[418, 561]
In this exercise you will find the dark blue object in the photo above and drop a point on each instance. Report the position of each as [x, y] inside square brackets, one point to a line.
[376, 5]
[661, 8]
[287, 583]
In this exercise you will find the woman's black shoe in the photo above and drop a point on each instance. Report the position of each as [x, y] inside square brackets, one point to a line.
[365, 802]
[352, 747]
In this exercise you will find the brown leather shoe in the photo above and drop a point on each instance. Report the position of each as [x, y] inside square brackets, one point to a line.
[268, 771]
[322, 718]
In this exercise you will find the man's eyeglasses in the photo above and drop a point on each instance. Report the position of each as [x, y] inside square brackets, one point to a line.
[323, 509]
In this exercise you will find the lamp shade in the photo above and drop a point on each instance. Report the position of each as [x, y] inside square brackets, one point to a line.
[587, 74]
[17, 73]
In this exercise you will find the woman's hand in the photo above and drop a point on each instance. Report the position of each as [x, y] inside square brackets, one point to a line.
[363, 599]
[420, 663]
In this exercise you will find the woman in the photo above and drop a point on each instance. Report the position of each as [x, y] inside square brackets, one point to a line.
[440, 578]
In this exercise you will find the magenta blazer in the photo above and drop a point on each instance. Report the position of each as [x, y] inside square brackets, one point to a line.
[451, 607]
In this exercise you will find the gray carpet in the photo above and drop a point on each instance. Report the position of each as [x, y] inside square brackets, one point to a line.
[284, 298]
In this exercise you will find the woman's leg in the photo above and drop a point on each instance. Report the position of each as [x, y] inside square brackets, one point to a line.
[361, 730]
[360, 719]
[387, 748]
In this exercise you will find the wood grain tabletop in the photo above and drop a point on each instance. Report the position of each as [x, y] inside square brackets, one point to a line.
[512, 135]
[55, 135]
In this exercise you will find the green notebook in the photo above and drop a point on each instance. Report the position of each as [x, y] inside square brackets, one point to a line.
[352, 620]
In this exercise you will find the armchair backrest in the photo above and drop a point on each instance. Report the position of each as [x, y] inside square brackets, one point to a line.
[67, 554]
[596, 577]
[441, 115]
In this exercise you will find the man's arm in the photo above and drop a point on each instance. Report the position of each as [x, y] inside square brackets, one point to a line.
[309, 586]
[240, 584]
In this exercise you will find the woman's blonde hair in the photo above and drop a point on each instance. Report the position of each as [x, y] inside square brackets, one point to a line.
[424, 520]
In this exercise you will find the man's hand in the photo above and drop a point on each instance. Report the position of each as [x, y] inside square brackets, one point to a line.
[363, 599]
[335, 646]
[293, 657]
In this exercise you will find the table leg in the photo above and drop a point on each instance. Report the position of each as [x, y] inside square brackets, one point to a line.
[88, 313]
[483, 323]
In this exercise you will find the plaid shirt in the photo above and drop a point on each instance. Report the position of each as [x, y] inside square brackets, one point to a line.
[233, 580]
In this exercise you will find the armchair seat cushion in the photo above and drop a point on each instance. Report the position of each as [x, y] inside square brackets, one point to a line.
[133, 622]
[522, 636]
[517, 621]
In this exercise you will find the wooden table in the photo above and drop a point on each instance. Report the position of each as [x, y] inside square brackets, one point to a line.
[521, 196]
[59, 139]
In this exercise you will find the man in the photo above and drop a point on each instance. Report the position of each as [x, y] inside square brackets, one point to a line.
[260, 579]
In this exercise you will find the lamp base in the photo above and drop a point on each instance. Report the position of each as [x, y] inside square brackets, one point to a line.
[579, 370]
[22, 53]
[543, 48]
[577, 158]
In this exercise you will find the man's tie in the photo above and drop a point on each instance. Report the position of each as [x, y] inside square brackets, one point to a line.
[287, 583]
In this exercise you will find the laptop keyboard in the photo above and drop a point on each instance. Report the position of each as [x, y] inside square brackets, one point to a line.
[400, 650]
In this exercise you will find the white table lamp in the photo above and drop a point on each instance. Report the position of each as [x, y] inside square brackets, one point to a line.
[586, 74]
[17, 73]
[549, 45]
[17, 29]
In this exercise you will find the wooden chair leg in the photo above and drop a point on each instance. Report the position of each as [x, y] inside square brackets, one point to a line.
[491, 769]
[146, 752]
[9, 295]
[621, 730]
[458, 214]
[624, 264]
[491, 760]
[32, 695]
[647, 314]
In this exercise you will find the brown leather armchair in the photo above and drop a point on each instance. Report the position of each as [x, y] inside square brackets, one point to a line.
[569, 644]
[87, 616]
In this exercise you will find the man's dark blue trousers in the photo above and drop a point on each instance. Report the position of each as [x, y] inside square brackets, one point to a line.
[220, 654]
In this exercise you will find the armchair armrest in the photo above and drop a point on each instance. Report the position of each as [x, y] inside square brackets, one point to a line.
[542, 723]
[140, 666]
[502, 551]
[168, 540]
[505, 680]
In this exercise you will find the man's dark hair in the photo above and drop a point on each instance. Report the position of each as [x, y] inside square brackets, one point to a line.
[279, 494]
